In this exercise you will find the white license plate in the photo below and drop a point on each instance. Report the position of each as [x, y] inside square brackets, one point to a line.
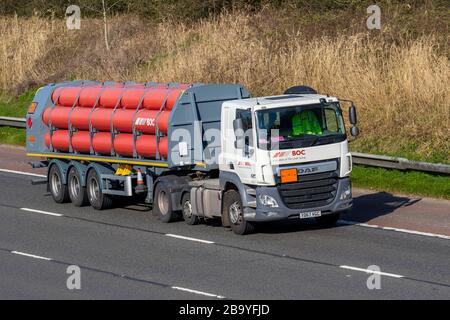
[310, 214]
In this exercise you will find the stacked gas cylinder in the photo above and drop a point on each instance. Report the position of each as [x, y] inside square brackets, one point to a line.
[100, 119]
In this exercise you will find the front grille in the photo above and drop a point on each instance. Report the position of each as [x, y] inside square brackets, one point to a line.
[313, 190]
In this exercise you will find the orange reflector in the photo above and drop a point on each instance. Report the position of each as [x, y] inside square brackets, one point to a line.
[32, 107]
[288, 175]
[31, 139]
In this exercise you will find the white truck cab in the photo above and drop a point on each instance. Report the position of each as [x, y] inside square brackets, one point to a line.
[287, 156]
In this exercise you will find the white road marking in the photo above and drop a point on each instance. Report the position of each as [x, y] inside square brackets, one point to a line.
[24, 173]
[188, 238]
[42, 212]
[199, 292]
[393, 275]
[427, 234]
[30, 255]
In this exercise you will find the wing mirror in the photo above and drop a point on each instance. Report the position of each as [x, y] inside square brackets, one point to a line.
[354, 131]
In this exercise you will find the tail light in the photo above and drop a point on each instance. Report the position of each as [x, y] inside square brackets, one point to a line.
[29, 122]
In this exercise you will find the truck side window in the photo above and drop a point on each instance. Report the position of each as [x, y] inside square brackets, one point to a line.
[246, 116]
[331, 120]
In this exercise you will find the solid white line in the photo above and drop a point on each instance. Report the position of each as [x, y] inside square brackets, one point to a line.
[30, 255]
[199, 292]
[43, 212]
[393, 275]
[189, 238]
[24, 173]
[427, 234]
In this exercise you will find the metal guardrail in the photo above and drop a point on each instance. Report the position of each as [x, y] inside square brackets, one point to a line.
[358, 158]
[13, 122]
[399, 163]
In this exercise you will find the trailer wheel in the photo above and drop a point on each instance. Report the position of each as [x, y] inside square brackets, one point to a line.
[57, 188]
[162, 204]
[97, 199]
[328, 220]
[77, 192]
[186, 208]
[232, 205]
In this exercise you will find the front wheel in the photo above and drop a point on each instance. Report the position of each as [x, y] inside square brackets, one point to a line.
[328, 220]
[232, 206]
[186, 207]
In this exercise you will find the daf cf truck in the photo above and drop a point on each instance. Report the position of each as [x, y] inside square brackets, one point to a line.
[195, 151]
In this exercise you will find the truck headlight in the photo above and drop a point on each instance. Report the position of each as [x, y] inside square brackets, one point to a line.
[268, 201]
[347, 193]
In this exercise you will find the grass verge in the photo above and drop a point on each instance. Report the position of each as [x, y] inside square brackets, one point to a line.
[407, 182]
[16, 106]
[12, 136]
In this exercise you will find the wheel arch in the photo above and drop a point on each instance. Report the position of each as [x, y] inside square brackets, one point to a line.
[178, 186]
[100, 169]
[82, 170]
[63, 167]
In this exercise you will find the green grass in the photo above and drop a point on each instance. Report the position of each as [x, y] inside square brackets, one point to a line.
[403, 149]
[17, 106]
[14, 107]
[12, 136]
[407, 182]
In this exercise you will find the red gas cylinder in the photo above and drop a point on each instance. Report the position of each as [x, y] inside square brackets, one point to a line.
[67, 95]
[101, 119]
[101, 142]
[59, 116]
[110, 96]
[89, 95]
[163, 147]
[131, 98]
[79, 118]
[81, 141]
[56, 94]
[60, 140]
[146, 146]
[123, 144]
[145, 121]
[154, 98]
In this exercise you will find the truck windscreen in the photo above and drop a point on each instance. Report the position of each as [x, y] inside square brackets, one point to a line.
[299, 126]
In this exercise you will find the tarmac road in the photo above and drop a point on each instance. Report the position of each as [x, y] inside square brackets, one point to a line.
[127, 253]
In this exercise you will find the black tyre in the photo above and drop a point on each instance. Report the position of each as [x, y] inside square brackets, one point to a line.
[328, 220]
[77, 192]
[162, 204]
[232, 206]
[58, 189]
[97, 199]
[186, 209]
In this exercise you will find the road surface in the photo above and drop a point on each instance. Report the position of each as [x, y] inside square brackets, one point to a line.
[126, 253]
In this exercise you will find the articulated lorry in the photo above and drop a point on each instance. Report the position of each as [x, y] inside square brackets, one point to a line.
[194, 151]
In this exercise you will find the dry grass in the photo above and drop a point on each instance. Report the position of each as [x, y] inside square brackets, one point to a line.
[400, 87]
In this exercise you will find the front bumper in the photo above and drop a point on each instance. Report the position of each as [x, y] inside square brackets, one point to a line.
[263, 213]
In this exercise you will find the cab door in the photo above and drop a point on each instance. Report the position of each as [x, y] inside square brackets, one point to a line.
[244, 146]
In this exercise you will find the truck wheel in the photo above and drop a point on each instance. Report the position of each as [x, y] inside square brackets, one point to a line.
[233, 205]
[186, 208]
[328, 220]
[57, 188]
[77, 192]
[162, 204]
[97, 199]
